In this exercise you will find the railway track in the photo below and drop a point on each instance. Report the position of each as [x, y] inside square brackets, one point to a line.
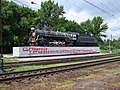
[54, 61]
[51, 70]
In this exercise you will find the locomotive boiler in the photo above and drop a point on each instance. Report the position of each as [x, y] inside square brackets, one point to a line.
[47, 37]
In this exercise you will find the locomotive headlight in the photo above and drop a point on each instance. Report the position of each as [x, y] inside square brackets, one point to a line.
[32, 29]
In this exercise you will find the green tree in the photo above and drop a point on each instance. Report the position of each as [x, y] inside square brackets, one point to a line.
[49, 15]
[115, 44]
[86, 27]
[72, 26]
[99, 28]
[94, 27]
[17, 21]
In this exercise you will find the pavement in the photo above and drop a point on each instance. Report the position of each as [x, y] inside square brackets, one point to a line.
[46, 58]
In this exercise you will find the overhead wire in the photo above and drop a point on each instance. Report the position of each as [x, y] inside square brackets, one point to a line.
[113, 16]
[72, 14]
[103, 4]
[107, 6]
[113, 5]
[34, 8]
[106, 12]
[94, 6]
[99, 8]
[80, 8]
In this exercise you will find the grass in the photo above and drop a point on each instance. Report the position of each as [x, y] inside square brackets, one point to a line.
[52, 85]
[115, 51]
[85, 71]
[116, 84]
[104, 51]
[107, 51]
[66, 85]
[91, 76]
[115, 70]
[4, 87]
[7, 60]
[22, 68]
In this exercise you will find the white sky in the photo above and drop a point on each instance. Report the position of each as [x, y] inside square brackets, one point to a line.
[81, 10]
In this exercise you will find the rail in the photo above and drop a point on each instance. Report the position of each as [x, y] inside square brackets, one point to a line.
[54, 61]
[51, 70]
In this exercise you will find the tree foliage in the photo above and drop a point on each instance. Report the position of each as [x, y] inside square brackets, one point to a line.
[94, 27]
[99, 28]
[115, 44]
[17, 21]
[49, 15]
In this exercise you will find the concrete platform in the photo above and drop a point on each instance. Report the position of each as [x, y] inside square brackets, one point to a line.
[36, 51]
[47, 58]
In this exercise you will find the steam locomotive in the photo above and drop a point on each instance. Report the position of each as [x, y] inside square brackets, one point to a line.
[47, 37]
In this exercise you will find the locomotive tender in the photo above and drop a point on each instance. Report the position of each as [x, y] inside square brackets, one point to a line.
[49, 38]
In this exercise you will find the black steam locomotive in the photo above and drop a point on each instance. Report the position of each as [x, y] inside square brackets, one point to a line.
[47, 37]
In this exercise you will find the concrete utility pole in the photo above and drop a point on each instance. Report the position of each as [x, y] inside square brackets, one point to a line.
[1, 42]
[110, 44]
